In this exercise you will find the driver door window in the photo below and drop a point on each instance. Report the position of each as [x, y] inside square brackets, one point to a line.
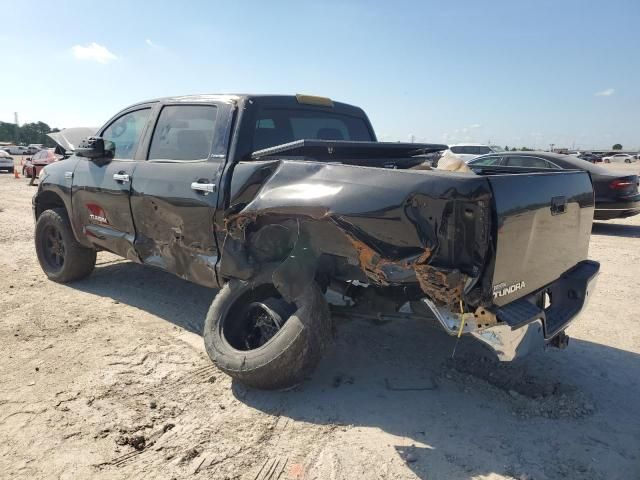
[125, 133]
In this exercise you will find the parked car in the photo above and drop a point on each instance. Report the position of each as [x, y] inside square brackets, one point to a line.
[469, 151]
[616, 194]
[34, 165]
[6, 161]
[278, 199]
[32, 149]
[16, 150]
[589, 157]
[619, 158]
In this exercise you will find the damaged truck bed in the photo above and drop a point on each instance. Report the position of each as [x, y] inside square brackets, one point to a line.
[298, 199]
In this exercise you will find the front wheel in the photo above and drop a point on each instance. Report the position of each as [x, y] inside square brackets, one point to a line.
[253, 335]
[61, 257]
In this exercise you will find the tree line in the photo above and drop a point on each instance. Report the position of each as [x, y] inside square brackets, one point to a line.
[27, 133]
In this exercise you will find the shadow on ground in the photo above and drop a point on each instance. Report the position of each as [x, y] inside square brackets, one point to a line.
[397, 378]
[168, 297]
[615, 229]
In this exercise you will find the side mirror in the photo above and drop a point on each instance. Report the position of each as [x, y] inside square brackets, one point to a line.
[95, 147]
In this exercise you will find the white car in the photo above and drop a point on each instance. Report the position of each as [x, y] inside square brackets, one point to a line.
[469, 151]
[6, 161]
[619, 158]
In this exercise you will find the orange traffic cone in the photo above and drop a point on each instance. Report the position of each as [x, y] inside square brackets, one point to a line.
[15, 173]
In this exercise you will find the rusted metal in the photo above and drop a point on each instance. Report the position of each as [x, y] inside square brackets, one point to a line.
[443, 286]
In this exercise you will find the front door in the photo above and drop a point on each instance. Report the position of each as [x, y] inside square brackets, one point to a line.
[175, 192]
[101, 187]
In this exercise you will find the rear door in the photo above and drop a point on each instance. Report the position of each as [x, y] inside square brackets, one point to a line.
[101, 187]
[543, 229]
[175, 190]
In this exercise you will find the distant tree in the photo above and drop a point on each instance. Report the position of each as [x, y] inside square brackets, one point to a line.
[28, 133]
[8, 132]
[525, 149]
[617, 146]
[506, 147]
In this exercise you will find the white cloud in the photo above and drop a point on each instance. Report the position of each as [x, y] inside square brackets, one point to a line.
[605, 93]
[152, 44]
[475, 125]
[93, 52]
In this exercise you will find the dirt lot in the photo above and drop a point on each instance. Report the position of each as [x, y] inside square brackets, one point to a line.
[108, 378]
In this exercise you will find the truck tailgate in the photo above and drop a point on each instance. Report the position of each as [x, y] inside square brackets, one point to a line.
[543, 228]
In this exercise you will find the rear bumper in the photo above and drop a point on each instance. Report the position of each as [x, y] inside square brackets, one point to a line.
[526, 327]
[622, 208]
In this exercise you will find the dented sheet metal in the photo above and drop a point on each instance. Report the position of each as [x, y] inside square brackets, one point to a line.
[397, 226]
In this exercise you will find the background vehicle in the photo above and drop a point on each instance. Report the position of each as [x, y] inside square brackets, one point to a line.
[15, 150]
[33, 149]
[278, 199]
[618, 158]
[616, 194]
[6, 162]
[590, 157]
[35, 164]
[468, 151]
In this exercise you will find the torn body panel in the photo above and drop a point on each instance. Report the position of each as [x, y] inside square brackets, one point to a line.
[398, 227]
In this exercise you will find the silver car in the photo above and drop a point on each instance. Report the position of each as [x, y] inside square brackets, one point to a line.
[6, 161]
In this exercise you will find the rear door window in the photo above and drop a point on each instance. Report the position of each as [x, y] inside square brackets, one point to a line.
[184, 132]
[481, 150]
[492, 160]
[531, 162]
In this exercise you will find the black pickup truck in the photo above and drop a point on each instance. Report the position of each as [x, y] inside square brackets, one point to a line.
[284, 201]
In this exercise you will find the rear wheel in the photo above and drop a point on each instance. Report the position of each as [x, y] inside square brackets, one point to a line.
[253, 335]
[60, 255]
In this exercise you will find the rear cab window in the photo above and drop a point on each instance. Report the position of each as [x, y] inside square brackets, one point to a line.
[274, 121]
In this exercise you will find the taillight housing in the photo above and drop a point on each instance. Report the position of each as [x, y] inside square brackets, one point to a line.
[620, 184]
[626, 185]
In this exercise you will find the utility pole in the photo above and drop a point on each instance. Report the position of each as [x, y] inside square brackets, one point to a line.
[17, 127]
[551, 145]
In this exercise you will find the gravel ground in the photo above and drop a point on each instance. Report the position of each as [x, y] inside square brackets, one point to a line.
[108, 378]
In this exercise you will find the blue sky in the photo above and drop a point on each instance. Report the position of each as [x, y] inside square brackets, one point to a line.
[512, 72]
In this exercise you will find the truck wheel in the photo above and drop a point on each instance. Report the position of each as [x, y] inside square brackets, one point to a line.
[60, 255]
[253, 335]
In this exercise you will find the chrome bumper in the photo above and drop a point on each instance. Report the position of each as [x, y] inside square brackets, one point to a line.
[523, 326]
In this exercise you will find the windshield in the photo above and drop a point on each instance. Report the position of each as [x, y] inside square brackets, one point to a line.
[275, 126]
[497, 148]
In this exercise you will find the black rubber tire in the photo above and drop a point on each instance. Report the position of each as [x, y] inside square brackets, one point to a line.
[288, 357]
[78, 261]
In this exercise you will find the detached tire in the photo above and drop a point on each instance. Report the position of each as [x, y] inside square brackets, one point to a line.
[60, 255]
[271, 356]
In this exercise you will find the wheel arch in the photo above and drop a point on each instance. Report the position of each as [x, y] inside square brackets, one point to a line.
[51, 196]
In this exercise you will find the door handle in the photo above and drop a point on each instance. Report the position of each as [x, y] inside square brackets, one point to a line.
[203, 187]
[121, 177]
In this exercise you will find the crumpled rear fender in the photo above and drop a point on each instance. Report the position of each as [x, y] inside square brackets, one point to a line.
[396, 226]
